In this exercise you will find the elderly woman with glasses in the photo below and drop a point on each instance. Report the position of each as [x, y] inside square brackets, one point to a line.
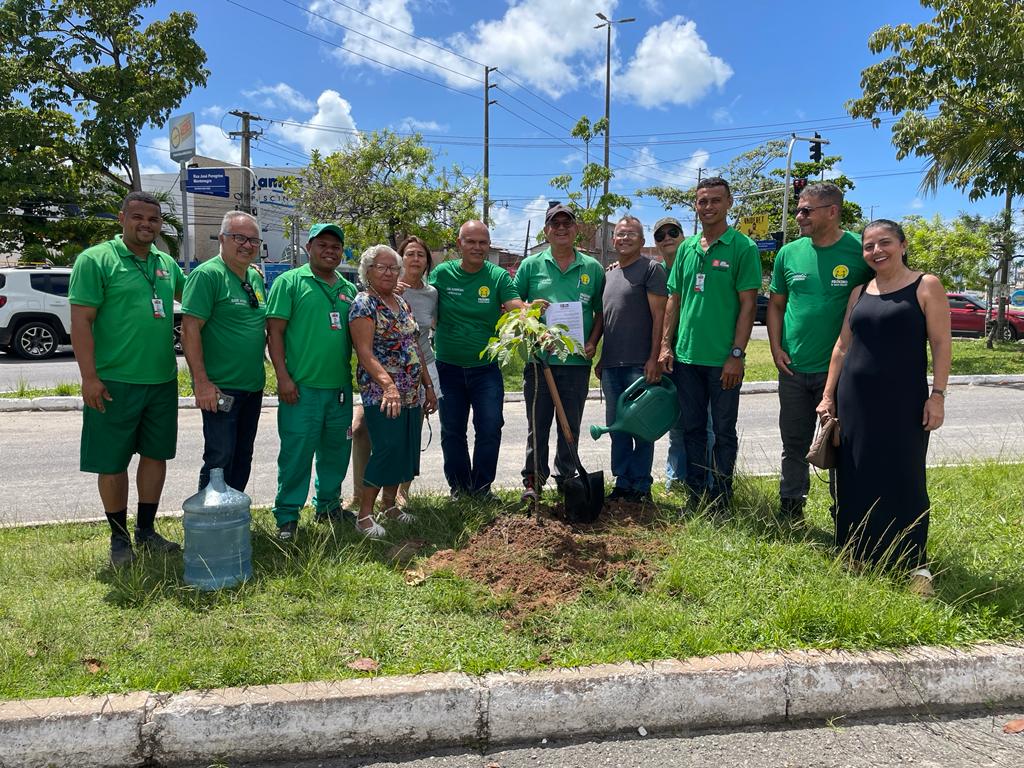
[384, 334]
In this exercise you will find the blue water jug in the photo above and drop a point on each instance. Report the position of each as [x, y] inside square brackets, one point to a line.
[218, 546]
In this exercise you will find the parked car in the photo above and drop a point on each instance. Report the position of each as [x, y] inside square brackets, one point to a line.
[35, 316]
[969, 316]
[762, 309]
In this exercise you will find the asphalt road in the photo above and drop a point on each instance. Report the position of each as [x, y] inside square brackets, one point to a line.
[41, 482]
[962, 741]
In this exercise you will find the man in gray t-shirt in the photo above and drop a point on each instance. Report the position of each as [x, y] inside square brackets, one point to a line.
[634, 309]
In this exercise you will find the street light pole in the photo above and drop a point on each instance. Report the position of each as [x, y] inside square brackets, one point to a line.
[607, 24]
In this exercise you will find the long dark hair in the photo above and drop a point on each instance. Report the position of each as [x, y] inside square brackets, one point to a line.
[419, 241]
[893, 227]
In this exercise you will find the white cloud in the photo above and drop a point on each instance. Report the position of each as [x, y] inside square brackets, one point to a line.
[678, 174]
[214, 110]
[721, 116]
[412, 125]
[538, 42]
[508, 225]
[916, 204]
[156, 158]
[338, 130]
[280, 95]
[212, 142]
[671, 65]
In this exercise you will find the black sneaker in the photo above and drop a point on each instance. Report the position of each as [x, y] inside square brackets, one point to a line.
[640, 497]
[791, 508]
[149, 540]
[529, 495]
[333, 515]
[286, 531]
[619, 494]
[121, 552]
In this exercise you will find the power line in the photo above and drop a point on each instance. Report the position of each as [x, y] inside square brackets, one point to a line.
[354, 53]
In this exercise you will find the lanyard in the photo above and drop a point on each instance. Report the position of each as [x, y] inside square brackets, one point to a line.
[333, 299]
[150, 280]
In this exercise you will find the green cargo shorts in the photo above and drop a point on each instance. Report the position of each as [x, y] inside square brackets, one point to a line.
[141, 418]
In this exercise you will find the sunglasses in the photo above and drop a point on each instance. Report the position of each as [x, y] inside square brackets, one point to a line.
[254, 301]
[664, 232]
[806, 210]
[562, 223]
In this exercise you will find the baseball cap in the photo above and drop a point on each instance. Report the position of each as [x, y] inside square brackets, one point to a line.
[667, 220]
[318, 229]
[556, 209]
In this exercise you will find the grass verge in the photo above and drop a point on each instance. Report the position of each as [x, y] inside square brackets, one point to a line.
[71, 626]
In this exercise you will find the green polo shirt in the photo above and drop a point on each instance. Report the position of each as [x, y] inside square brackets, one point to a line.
[468, 307]
[707, 318]
[315, 353]
[234, 333]
[132, 345]
[817, 283]
[539, 277]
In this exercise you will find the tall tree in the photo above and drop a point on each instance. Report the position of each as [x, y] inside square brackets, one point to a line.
[385, 186]
[958, 252]
[957, 83]
[97, 60]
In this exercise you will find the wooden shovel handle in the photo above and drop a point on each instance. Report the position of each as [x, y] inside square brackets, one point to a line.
[563, 422]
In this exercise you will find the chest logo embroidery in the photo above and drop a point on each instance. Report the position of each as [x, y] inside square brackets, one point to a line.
[483, 292]
[841, 272]
[585, 279]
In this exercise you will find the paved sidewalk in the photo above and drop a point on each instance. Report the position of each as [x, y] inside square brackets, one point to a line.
[403, 715]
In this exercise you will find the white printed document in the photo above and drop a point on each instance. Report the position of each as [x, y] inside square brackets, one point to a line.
[569, 314]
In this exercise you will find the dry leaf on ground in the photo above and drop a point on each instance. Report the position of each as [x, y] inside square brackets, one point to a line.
[363, 665]
[1014, 726]
[92, 666]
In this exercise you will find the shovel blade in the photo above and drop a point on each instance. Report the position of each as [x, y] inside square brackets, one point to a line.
[584, 497]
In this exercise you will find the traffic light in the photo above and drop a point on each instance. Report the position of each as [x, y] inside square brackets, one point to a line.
[798, 186]
[816, 149]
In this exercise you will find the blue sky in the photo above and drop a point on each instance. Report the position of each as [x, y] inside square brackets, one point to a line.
[693, 85]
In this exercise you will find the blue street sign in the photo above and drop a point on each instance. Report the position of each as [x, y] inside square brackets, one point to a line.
[208, 181]
[1017, 299]
[765, 245]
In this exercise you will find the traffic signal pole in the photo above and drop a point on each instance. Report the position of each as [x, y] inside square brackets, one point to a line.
[814, 140]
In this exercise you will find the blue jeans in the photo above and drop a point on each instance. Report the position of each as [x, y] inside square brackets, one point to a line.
[700, 389]
[675, 462]
[632, 459]
[482, 389]
[229, 439]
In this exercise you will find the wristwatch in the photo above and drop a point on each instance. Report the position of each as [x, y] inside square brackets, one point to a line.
[738, 353]
[940, 392]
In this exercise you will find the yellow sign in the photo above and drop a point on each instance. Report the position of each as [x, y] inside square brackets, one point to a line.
[754, 226]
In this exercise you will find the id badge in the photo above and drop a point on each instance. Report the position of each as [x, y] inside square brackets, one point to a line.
[698, 283]
[335, 321]
[158, 308]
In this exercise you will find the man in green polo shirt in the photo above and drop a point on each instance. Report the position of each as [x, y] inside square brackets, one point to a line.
[811, 283]
[470, 294]
[573, 281]
[223, 334]
[122, 294]
[712, 301]
[310, 347]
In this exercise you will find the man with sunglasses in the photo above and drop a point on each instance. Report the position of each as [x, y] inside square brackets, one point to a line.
[311, 350]
[560, 274]
[223, 335]
[712, 300]
[811, 283]
[121, 297]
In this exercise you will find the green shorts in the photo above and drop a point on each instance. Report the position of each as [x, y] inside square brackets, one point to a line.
[141, 418]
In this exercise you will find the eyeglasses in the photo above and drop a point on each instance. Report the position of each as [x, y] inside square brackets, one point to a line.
[394, 269]
[805, 210]
[254, 301]
[255, 242]
[628, 235]
[561, 223]
[664, 232]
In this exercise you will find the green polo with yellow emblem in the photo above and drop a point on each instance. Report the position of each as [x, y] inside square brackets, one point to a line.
[234, 334]
[540, 277]
[468, 307]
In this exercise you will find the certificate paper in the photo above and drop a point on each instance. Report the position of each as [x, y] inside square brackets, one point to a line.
[569, 314]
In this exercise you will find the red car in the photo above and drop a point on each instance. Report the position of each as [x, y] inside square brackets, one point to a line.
[968, 316]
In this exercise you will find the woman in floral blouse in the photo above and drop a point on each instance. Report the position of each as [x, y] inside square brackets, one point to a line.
[389, 374]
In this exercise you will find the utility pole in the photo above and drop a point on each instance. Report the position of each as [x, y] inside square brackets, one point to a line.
[607, 23]
[700, 171]
[487, 138]
[246, 135]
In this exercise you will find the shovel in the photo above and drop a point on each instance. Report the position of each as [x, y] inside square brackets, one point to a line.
[584, 494]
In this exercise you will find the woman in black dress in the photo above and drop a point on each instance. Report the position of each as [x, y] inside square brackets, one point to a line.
[879, 368]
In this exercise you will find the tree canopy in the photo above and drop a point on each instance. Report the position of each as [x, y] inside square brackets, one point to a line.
[958, 252]
[383, 187]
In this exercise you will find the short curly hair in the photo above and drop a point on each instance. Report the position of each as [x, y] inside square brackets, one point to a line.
[369, 258]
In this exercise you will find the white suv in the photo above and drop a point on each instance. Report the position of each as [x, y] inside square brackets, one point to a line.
[35, 317]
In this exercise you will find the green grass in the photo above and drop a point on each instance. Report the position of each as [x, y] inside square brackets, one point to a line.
[311, 608]
[970, 357]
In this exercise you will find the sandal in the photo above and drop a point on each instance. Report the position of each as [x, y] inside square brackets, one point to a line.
[401, 514]
[375, 531]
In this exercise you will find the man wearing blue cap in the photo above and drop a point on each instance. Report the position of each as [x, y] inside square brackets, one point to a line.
[310, 347]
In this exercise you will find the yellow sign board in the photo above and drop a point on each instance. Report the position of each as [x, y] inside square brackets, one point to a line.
[754, 226]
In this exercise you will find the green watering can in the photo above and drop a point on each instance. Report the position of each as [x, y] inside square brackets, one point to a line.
[646, 411]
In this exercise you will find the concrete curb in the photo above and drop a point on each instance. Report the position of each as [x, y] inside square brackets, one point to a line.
[8, 405]
[417, 713]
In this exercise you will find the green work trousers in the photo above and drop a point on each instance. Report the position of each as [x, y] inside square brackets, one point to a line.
[319, 425]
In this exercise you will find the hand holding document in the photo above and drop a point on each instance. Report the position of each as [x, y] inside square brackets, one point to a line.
[569, 314]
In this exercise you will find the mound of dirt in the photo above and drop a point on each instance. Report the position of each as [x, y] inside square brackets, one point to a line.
[542, 562]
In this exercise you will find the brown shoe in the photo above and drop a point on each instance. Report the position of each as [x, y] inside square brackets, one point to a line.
[921, 583]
